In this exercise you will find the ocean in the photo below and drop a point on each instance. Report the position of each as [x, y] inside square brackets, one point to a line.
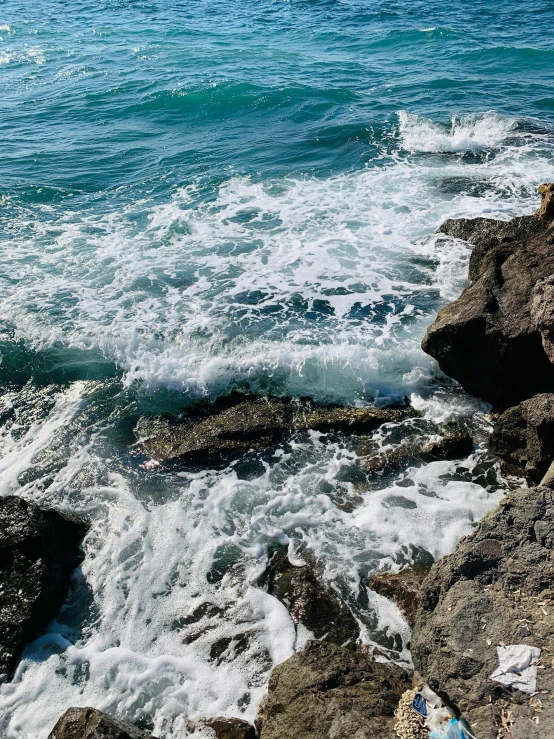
[200, 197]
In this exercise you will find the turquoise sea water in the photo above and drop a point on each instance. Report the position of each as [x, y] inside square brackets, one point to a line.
[205, 196]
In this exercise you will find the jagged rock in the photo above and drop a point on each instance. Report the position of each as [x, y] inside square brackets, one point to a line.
[401, 587]
[231, 728]
[454, 445]
[309, 603]
[496, 589]
[253, 424]
[88, 723]
[523, 437]
[38, 551]
[330, 691]
[492, 338]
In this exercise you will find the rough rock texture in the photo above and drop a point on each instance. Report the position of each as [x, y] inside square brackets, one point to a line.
[497, 588]
[38, 551]
[254, 424]
[231, 728]
[88, 723]
[496, 339]
[330, 692]
[523, 437]
[401, 587]
[318, 608]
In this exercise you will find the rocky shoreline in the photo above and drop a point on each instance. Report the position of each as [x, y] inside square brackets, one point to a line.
[495, 590]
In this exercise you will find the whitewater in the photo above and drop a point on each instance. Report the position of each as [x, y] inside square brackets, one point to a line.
[185, 213]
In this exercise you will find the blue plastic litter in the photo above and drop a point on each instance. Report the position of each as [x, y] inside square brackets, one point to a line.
[419, 704]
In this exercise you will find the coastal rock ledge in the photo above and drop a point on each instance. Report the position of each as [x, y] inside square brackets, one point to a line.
[497, 589]
[497, 338]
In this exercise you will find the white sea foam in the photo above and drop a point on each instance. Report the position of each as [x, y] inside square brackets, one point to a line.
[203, 293]
[471, 133]
[147, 564]
[166, 289]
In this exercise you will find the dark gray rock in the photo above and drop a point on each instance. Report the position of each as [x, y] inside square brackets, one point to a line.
[309, 603]
[523, 437]
[253, 424]
[492, 339]
[38, 551]
[496, 589]
[231, 728]
[328, 692]
[401, 587]
[88, 723]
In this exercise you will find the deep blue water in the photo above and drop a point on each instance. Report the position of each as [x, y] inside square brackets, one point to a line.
[201, 196]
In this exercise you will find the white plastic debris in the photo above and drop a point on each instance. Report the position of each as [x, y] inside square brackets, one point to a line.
[439, 719]
[517, 667]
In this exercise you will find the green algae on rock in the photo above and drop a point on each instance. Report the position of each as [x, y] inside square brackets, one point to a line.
[253, 424]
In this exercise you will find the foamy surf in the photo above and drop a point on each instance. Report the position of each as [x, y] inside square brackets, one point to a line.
[319, 286]
[146, 615]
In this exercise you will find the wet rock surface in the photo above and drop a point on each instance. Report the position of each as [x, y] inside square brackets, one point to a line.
[496, 338]
[88, 723]
[231, 728]
[308, 601]
[523, 437]
[329, 691]
[455, 444]
[401, 587]
[38, 551]
[252, 424]
[496, 589]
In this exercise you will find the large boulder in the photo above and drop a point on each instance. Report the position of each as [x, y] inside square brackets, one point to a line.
[523, 437]
[310, 603]
[330, 692]
[497, 589]
[496, 339]
[88, 723]
[252, 424]
[38, 551]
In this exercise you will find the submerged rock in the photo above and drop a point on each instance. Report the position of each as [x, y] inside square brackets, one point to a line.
[456, 444]
[231, 728]
[496, 589]
[253, 424]
[309, 603]
[496, 339]
[330, 691]
[401, 587]
[88, 723]
[523, 437]
[38, 551]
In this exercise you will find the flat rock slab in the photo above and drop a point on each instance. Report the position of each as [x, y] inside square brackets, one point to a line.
[496, 589]
[497, 338]
[309, 601]
[253, 424]
[330, 692]
[523, 437]
[38, 551]
[88, 723]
